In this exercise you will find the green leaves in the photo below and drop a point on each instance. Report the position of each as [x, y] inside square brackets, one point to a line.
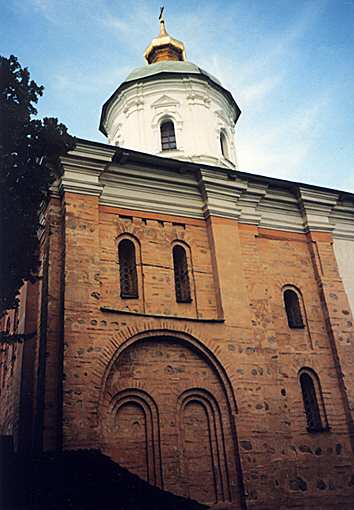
[30, 149]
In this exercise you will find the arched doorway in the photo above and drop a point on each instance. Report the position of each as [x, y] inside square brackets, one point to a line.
[166, 415]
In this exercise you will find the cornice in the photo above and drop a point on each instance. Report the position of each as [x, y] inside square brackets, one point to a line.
[279, 209]
[82, 168]
[93, 151]
[317, 207]
[220, 194]
[148, 183]
[249, 203]
[342, 217]
[150, 190]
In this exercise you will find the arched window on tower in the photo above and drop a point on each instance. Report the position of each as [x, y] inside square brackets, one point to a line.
[293, 309]
[127, 269]
[313, 401]
[223, 144]
[168, 136]
[180, 265]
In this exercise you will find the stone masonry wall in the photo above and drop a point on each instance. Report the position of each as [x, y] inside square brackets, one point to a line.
[213, 383]
[10, 376]
[30, 372]
[237, 315]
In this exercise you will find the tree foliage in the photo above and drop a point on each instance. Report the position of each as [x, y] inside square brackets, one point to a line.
[29, 154]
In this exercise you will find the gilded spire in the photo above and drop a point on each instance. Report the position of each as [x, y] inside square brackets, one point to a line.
[164, 47]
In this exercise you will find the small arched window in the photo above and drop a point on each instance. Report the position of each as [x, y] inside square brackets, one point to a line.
[293, 309]
[168, 136]
[223, 144]
[8, 326]
[180, 265]
[313, 402]
[127, 269]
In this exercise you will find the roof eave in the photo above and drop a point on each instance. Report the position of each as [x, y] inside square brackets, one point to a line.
[165, 74]
[123, 155]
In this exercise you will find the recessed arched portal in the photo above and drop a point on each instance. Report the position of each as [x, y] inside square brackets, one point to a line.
[167, 414]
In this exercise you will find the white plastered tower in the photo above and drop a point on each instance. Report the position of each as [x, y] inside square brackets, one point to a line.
[169, 89]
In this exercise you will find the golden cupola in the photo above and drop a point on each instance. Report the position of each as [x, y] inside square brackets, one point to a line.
[164, 47]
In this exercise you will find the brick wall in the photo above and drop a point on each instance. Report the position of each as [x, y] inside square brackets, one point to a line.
[237, 314]
[17, 370]
[10, 372]
[211, 383]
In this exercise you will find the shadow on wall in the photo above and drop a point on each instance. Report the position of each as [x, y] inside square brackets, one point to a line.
[79, 480]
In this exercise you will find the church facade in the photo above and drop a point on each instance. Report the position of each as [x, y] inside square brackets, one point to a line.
[193, 321]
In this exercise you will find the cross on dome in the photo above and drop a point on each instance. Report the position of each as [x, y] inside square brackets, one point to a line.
[164, 47]
[162, 22]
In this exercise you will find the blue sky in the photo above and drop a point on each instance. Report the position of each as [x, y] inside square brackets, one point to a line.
[288, 63]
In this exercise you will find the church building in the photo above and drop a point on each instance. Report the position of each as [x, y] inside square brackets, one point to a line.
[192, 321]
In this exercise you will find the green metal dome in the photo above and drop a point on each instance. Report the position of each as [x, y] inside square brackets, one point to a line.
[168, 66]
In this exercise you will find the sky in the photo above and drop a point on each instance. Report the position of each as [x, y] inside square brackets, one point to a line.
[288, 63]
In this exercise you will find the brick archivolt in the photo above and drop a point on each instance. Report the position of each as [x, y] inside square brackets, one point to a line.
[143, 400]
[172, 391]
[214, 419]
[129, 335]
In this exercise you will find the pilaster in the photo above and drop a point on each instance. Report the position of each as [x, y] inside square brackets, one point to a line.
[338, 317]
[81, 301]
[47, 426]
[222, 211]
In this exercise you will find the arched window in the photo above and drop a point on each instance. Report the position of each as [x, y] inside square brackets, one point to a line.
[168, 136]
[127, 269]
[180, 265]
[293, 309]
[313, 402]
[8, 326]
[223, 144]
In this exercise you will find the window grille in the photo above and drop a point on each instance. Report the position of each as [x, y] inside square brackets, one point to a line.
[127, 268]
[311, 405]
[180, 264]
[168, 136]
[293, 309]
